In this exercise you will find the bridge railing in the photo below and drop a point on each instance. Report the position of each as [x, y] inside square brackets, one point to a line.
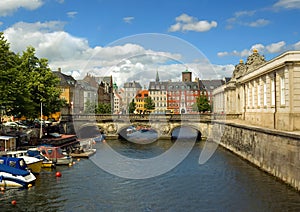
[146, 117]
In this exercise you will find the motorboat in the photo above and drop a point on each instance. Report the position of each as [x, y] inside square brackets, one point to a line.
[85, 149]
[55, 154]
[14, 173]
[34, 152]
[33, 164]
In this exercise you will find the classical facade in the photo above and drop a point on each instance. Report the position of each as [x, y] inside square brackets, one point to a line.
[264, 93]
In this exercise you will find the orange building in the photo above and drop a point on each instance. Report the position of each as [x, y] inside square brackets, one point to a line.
[140, 101]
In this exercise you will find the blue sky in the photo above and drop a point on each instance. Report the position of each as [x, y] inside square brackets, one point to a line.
[71, 32]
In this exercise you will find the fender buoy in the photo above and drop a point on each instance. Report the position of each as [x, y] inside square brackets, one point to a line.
[58, 174]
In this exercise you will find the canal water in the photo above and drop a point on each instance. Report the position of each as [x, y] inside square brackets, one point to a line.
[224, 183]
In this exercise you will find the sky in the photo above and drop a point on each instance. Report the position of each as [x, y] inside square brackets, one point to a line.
[134, 39]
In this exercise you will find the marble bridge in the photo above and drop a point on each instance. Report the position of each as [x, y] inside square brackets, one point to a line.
[114, 125]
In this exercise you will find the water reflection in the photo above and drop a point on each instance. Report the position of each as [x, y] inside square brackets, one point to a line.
[224, 183]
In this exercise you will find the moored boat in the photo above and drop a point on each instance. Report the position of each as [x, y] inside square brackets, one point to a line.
[34, 152]
[33, 164]
[55, 154]
[85, 150]
[14, 173]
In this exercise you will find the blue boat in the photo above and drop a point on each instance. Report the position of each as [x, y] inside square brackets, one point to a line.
[14, 173]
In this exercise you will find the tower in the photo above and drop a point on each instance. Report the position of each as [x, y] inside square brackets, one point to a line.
[186, 76]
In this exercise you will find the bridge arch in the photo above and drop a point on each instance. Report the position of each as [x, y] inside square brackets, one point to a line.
[88, 130]
[188, 132]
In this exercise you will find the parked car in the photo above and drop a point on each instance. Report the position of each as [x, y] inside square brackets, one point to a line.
[14, 124]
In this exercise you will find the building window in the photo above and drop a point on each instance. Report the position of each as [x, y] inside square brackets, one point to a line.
[265, 94]
[272, 92]
[282, 90]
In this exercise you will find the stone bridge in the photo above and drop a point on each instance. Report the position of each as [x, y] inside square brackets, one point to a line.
[163, 124]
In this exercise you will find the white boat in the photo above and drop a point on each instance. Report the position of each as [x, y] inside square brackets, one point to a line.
[85, 150]
[33, 164]
[14, 173]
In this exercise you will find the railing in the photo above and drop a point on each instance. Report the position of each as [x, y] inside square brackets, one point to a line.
[147, 117]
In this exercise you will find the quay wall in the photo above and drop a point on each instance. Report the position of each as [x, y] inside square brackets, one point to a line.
[275, 152]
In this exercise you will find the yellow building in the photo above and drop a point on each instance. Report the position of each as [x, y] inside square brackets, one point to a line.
[67, 85]
[140, 101]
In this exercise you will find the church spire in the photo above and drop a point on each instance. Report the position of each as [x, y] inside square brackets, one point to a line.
[157, 77]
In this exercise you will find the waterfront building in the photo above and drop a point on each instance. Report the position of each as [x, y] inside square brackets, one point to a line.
[104, 86]
[264, 93]
[118, 99]
[67, 85]
[85, 95]
[130, 91]
[139, 101]
[158, 93]
[208, 87]
[182, 95]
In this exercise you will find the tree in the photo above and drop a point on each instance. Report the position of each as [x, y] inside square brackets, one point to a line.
[8, 75]
[25, 82]
[90, 107]
[41, 83]
[131, 108]
[149, 104]
[103, 108]
[202, 104]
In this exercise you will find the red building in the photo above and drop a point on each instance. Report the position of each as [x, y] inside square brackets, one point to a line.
[182, 95]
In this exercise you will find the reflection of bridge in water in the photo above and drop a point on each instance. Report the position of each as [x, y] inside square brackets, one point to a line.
[163, 124]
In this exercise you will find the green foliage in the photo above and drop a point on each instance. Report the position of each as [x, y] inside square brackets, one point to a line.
[149, 103]
[103, 108]
[202, 104]
[90, 107]
[25, 82]
[132, 106]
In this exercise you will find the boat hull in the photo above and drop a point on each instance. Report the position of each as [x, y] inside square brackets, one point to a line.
[15, 178]
[35, 167]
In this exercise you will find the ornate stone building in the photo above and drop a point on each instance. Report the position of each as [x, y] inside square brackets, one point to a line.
[264, 93]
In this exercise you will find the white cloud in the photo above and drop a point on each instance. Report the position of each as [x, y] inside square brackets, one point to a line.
[276, 47]
[185, 18]
[296, 46]
[269, 49]
[128, 19]
[185, 22]
[242, 18]
[288, 4]
[258, 23]
[7, 7]
[76, 57]
[72, 14]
